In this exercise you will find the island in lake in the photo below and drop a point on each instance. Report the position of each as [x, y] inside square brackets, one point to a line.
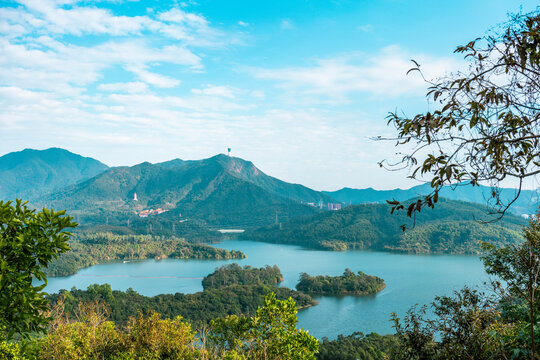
[347, 284]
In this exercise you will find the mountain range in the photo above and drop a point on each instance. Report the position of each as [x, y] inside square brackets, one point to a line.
[527, 202]
[220, 191]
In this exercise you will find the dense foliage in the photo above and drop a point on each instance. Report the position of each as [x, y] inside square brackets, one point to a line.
[90, 249]
[452, 227]
[518, 267]
[29, 241]
[199, 308]
[270, 334]
[466, 326]
[347, 284]
[235, 274]
[357, 346]
[473, 325]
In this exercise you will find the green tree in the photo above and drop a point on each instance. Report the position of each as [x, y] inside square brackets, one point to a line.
[92, 337]
[9, 351]
[518, 266]
[271, 334]
[471, 325]
[485, 128]
[465, 326]
[29, 240]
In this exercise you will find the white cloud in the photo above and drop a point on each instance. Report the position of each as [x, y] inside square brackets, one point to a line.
[258, 94]
[381, 74]
[243, 23]
[365, 28]
[35, 55]
[128, 87]
[47, 64]
[158, 80]
[286, 24]
[212, 90]
[181, 17]
[52, 17]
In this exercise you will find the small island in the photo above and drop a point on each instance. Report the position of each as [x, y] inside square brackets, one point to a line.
[347, 284]
[234, 274]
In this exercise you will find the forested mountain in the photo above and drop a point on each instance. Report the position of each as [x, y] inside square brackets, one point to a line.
[29, 173]
[246, 170]
[527, 203]
[452, 227]
[219, 191]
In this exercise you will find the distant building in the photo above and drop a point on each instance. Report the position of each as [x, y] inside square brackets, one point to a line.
[333, 206]
[135, 197]
[149, 212]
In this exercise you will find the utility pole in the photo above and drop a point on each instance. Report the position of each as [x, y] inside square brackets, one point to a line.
[276, 218]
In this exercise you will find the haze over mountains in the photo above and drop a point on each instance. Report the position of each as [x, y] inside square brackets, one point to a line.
[30, 173]
[527, 203]
[220, 191]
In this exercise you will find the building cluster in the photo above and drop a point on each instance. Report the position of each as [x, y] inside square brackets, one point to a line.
[149, 212]
[334, 206]
[328, 206]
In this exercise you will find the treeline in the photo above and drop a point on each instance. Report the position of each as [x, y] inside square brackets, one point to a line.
[270, 333]
[129, 223]
[347, 284]
[358, 346]
[452, 227]
[198, 308]
[234, 274]
[230, 290]
[89, 249]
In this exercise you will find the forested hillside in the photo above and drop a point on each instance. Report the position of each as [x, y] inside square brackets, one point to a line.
[219, 191]
[93, 248]
[452, 227]
[30, 173]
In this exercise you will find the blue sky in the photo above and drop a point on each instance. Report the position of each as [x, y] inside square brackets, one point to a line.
[297, 87]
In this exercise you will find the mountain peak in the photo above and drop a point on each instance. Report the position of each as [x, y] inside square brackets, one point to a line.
[32, 172]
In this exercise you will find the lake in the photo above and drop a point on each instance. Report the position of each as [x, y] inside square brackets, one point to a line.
[410, 279]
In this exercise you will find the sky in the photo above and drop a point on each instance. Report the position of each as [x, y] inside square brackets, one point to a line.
[298, 87]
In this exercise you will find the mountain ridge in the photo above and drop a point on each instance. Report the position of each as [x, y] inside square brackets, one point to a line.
[219, 190]
[29, 173]
[527, 203]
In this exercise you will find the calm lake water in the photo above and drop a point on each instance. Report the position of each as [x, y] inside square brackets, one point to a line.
[410, 279]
